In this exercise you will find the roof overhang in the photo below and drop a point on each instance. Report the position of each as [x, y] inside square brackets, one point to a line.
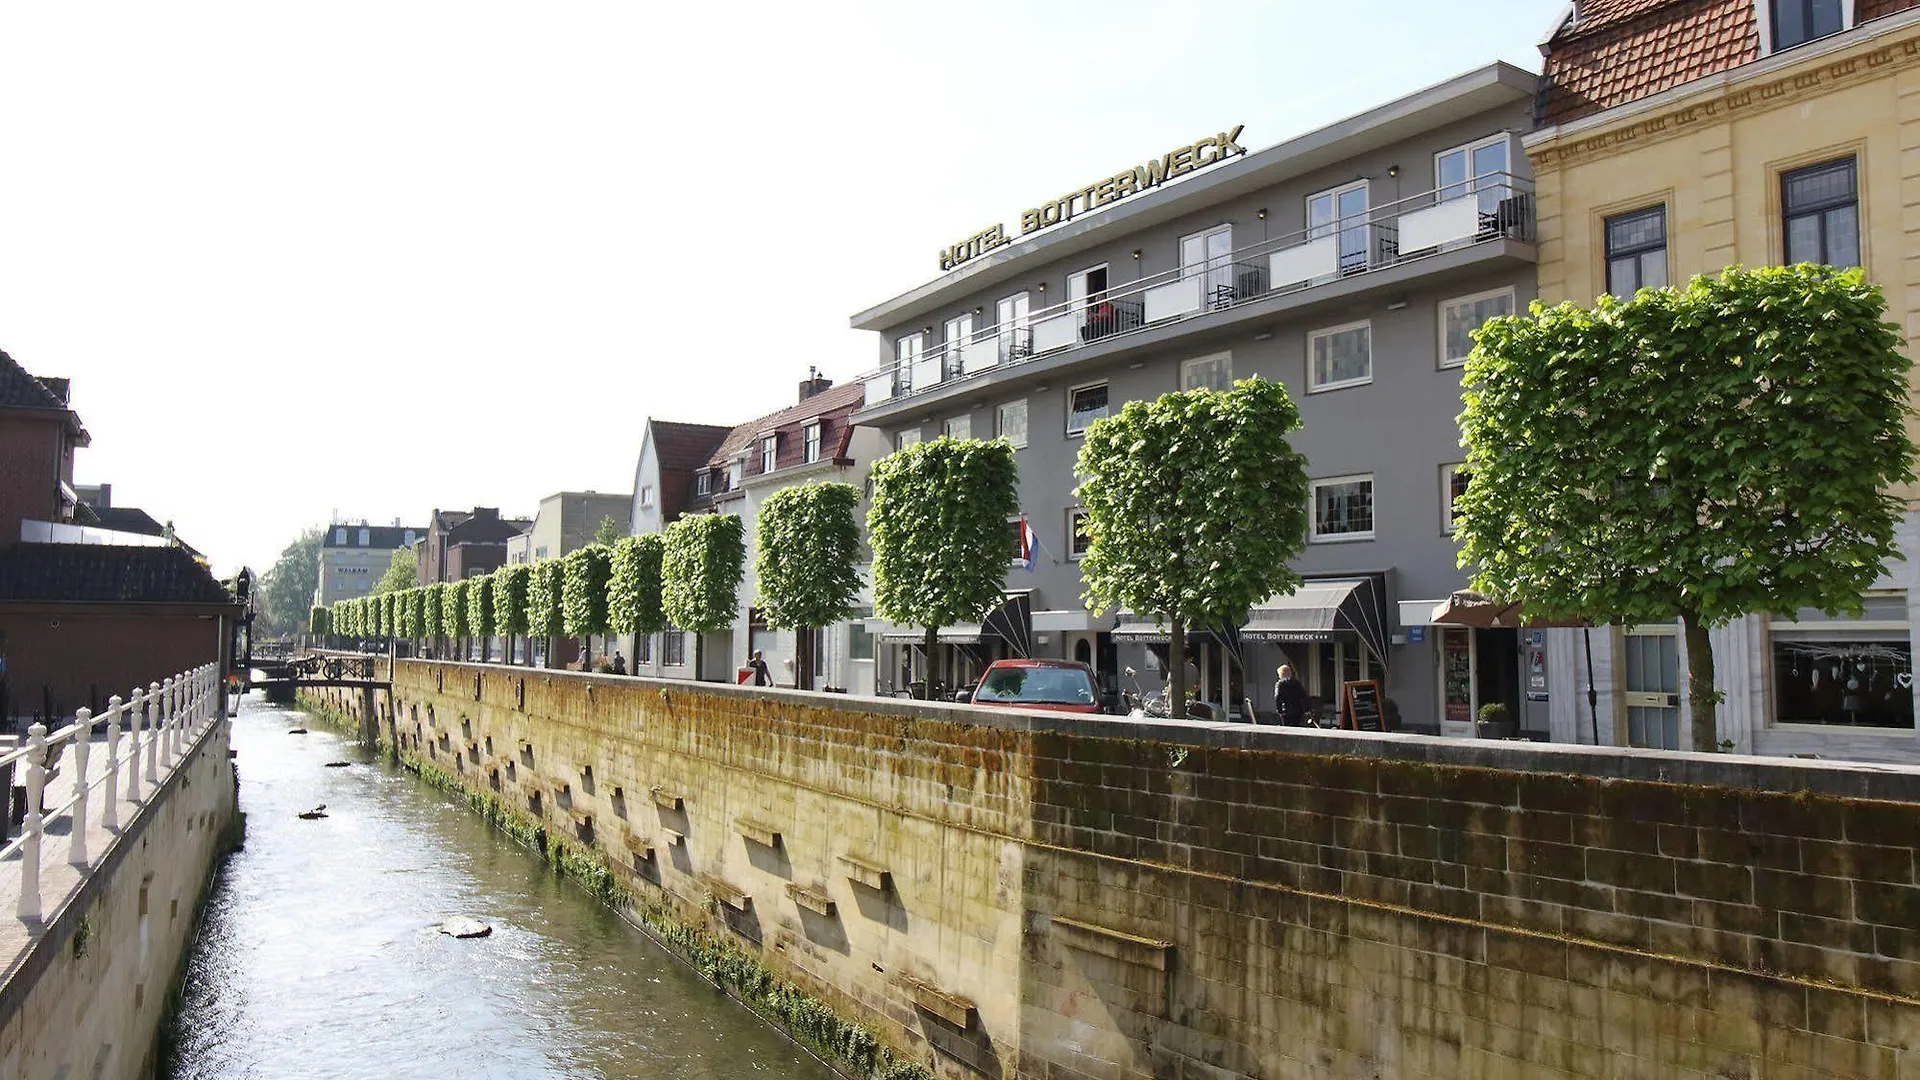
[1474, 92]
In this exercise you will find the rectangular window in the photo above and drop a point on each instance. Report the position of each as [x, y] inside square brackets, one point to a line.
[1017, 536]
[1478, 168]
[1077, 533]
[906, 356]
[813, 441]
[1342, 212]
[1846, 672]
[1460, 318]
[340, 536]
[1010, 422]
[1453, 484]
[909, 437]
[643, 649]
[1207, 372]
[1085, 404]
[366, 537]
[1796, 22]
[769, 452]
[673, 648]
[959, 333]
[1011, 327]
[1823, 214]
[958, 427]
[703, 483]
[1087, 290]
[1343, 508]
[646, 495]
[736, 469]
[1340, 356]
[1209, 256]
[859, 639]
[1637, 251]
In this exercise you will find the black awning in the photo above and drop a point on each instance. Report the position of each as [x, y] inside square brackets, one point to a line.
[1322, 609]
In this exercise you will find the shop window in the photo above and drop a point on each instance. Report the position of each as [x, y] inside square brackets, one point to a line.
[1456, 674]
[1846, 672]
[1460, 318]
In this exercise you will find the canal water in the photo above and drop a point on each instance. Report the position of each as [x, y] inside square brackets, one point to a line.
[319, 955]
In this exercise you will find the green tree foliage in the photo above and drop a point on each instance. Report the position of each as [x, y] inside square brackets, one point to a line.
[543, 598]
[401, 573]
[609, 533]
[702, 564]
[433, 610]
[319, 621]
[510, 588]
[583, 602]
[938, 526]
[1698, 454]
[286, 589]
[633, 589]
[480, 611]
[1196, 507]
[807, 562]
[383, 619]
[453, 609]
[409, 611]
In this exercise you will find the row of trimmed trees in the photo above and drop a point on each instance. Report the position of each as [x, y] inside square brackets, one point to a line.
[1694, 454]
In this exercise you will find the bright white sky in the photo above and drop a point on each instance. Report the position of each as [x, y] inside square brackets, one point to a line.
[375, 257]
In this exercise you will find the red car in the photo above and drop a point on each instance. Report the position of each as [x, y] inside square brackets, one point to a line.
[1053, 685]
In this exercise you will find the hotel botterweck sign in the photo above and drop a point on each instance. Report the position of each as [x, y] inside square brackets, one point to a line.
[1174, 163]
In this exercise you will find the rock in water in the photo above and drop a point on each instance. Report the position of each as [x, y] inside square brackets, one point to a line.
[338, 764]
[315, 813]
[462, 927]
[298, 731]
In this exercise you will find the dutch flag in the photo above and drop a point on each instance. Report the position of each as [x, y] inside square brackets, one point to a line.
[1029, 543]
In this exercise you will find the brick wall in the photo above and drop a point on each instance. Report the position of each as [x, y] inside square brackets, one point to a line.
[30, 470]
[79, 656]
[1059, 900]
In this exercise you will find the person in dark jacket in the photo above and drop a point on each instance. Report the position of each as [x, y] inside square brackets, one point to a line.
[1290, 697]
[619, 664]
[761, 676]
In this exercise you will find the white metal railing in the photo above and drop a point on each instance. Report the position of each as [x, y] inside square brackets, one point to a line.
[1485, 208]
[164, 721]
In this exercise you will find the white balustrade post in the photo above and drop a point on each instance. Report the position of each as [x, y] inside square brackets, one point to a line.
[167, 720]
[153, 735]
[136, 707]
[110, 813]
[82, 746]
[33, 828]
[182, 711]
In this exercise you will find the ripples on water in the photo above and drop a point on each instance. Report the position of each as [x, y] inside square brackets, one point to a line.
[318, 957]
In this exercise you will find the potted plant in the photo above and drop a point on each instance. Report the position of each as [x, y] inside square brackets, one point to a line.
[1495, 722]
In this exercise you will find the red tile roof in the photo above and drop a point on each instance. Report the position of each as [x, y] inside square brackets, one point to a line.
[834, 400]
[684, 446]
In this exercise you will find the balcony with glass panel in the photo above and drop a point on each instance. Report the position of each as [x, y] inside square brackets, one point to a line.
[1347, 245]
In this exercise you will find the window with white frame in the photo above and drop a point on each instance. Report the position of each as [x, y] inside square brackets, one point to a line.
[1077, 540]
[958, 427]
[1012, 327]
[409, 538]
[813, 441]
[703, 483]
[340, 536]
[1209, 256]
[1343, 508]
[1342, 212]
[1461, 317]
[1796, 22]
[1340, 356]
[1207, 372]
[1845, 672]
[736, 471]
[959, 334]
[769, 452]
[1010, 422]
[1477, 168]
[859, 638]
[906, 352]
[646, 495]
[1453, 484]
[673, 648]
[908, 437]
[1085, 404]
[366, 537]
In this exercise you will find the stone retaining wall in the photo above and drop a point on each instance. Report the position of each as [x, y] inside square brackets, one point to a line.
[1025, 895]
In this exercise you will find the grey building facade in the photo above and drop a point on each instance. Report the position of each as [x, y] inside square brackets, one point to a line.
[1350, 264]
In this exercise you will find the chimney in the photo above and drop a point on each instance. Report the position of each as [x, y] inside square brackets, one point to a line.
[814, 384]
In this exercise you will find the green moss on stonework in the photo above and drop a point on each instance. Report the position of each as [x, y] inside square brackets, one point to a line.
[809, 1020]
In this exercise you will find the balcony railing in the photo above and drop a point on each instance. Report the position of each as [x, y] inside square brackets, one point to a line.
[1495, 206]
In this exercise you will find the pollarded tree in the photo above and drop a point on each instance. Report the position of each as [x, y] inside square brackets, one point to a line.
[453, 616]
[938, 526]
[433, 621]
[319, 621]
[1698, 454]
[543, 602]
[383, 615]
[1196, 505]
[701, 565]
[406, 623]
[633, 586]
[583, 595]
[807, 562]
[480, 612]
[510, 605]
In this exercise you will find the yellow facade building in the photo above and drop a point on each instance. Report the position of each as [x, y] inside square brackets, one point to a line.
[1677, 137]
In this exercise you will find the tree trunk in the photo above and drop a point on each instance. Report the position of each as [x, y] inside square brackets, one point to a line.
[1700, 685]
[803, 659]
[1177, 675]
[927, 646]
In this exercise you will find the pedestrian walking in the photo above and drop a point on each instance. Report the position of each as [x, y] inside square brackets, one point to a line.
[619, 663]
[1290, 697]
[761, 676]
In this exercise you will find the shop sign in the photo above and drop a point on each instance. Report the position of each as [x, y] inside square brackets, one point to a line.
[1171, 165]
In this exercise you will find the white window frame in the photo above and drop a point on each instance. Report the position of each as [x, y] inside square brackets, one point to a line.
[646, 495]
[1014, 559]
[1000, 425]
[1763, 18]
[1468, 182]
[736, 473]
[366, 537]
[1314, 387]
[1313, 510]
[1446, 361]
[1334, 228]
[340, 536]
[1084, 302]
[906, 437]
[812, 443]
[1187, 366]
[1213, 270]
[769, 448]
[1074, 513]
[703, 482]
[1008, 330]
[1447, 472]
[946, 426]
[1073, 432]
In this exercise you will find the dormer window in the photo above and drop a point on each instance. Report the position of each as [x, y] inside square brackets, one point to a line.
[736, 470]
[813, 442]
[340, 537]
[703, 483]
[1796, 22]
[769, 452]
[409, 537]
[366, 537]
